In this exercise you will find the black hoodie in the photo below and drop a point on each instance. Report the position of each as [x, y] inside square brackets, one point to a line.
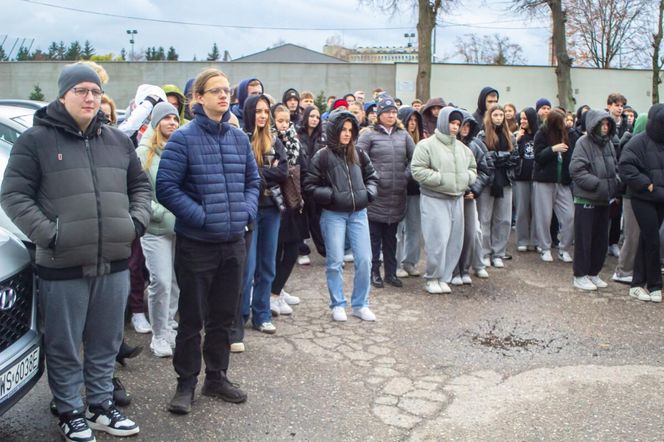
[526, 148]
[405, 113]
[429, 122]
[296, 115]
[481, 106]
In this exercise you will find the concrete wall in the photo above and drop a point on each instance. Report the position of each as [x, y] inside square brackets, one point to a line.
[521, 85]
[524, 85]
[18, 79]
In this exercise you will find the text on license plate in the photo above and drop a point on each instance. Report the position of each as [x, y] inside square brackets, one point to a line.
[19, 373]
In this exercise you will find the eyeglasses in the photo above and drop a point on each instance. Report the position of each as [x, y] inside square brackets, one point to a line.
[218, 90]
[82, 92]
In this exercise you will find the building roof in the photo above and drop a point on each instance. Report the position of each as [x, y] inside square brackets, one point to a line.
[289, 53]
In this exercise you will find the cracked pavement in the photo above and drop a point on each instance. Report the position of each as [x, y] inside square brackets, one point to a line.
[520, 356]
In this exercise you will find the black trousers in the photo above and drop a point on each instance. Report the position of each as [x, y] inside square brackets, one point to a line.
[286, 258]
[647, 271]
[237, 330]
[616, 216]
[591, 239]
[383, 235]
[210, 279]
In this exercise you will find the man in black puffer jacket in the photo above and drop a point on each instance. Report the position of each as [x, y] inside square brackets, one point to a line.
[75, 187]
[641, 167]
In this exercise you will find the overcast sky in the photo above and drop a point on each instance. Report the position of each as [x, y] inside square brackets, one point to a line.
[305, 23]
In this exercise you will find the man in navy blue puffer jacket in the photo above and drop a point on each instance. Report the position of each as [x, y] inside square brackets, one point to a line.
[209, 180]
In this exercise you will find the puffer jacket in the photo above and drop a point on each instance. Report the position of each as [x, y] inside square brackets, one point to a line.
[443, 165]
[495, 159]
[390, 154]
[546, 160]
[80, 197]
[333, 183]
[208, 178]
[642, 160]
[480, 154]
[162, 221]
[593, 163]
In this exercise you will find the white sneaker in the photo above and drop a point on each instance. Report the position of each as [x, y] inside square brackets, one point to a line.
[349, 258]
[598, 282]
[623, 279]
[339, 314]
[497, 263]
[565, 257]
[364, 314]
[656, 296]
[444, 287]
[237, 347]
[401, 273]
[546, 256]
[140, 323]
[466, 279]
[289, 299]
[412, 271]
[170, 337]
[457, 280]
[639, 293]
[433, 287]
[522, 248]
[303, 260]
[279, 307]
[486, 262]
[614, 250]
[583, 283]
[482, 273]
[160, 347]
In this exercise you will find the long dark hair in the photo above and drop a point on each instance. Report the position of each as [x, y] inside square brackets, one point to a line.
[304, 125]
[556, 131]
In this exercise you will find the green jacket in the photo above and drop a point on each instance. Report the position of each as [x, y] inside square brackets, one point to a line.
[162, 221]
[171, 89]
[443, 165]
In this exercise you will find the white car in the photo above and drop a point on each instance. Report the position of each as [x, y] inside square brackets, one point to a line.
[14, 121]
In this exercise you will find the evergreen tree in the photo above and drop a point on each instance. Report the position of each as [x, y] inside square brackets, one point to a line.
[53, 51]
[23, 54]
[172, 55]
[123, 55]
[161, 54]
[214, 55]
[3, 55]
[148, 54]
[74, 51]
[37, 94]
[88, 50]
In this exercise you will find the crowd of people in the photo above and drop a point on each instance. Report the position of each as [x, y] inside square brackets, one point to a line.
[212, 196]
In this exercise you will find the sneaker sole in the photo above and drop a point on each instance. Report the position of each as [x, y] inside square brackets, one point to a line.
[112, 431]
[179, 410]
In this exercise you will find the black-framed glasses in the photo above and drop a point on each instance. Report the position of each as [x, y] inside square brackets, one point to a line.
[83, 92]
[218, 90]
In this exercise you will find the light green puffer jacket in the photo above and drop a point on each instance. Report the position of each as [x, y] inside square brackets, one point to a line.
[162, 221]
[443, 165]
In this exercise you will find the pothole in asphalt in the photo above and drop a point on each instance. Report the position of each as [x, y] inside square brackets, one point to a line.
[516, 337]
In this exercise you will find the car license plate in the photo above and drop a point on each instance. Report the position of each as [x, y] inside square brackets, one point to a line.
[18, 374]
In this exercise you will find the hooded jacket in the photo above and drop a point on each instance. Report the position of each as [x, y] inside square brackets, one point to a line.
[429, 122]
[333, 183]
[208, 179]
[526, 148]
[481, 106]
[77, 196]
[443, 165]
[296, 115]
[480, 154]
[171, 89]
[593, 163]
[390, 154]
[405, 114]
[242, 94]
[642, 160]
[546, 160]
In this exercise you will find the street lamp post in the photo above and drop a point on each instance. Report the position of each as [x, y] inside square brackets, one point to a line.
[132, 33]
[409, 37]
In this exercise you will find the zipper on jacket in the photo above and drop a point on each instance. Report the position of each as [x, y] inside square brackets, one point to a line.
[350, 183]
[93, 171]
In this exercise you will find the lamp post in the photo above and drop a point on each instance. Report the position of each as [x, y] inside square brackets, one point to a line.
[409, 37]
[132, 33]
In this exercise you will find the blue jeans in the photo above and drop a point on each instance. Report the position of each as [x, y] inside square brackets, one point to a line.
[336, 226]
[260, 266]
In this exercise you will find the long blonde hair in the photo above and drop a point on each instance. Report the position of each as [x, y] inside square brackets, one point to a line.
[155, 146]
[261, 137]
[490, 135]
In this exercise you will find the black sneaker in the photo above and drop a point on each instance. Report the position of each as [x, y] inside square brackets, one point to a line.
[105, 417]
[393, 281]
[120, 396]
[223, 389]
[74, 427]
[182, 400]
[377, 281]
[53, 408]
[127, 352]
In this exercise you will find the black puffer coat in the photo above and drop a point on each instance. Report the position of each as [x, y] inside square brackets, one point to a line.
[332, 182]
[642, 159]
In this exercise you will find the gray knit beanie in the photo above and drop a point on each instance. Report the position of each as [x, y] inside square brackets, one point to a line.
[74, 74]
[161, 110]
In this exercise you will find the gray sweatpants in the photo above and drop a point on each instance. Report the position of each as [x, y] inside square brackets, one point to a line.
[87, 312]
[631, 233]
[163, 291]
[495, 221]
[523, 198]
[442, 227]
[549, 198]
[409, 233]
[471, 253]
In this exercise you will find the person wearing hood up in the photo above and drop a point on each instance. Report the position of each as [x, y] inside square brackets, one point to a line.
[248, 87]
[291, 99]
[641, 167]
[487, 98]
[146, 98]
[445, 169]
[390, 149]
[175, 96]
[631, 231]
[430, 111]
[342, 182]
[188, 95]
[594, 174]
[409, 230]
[523, 180]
